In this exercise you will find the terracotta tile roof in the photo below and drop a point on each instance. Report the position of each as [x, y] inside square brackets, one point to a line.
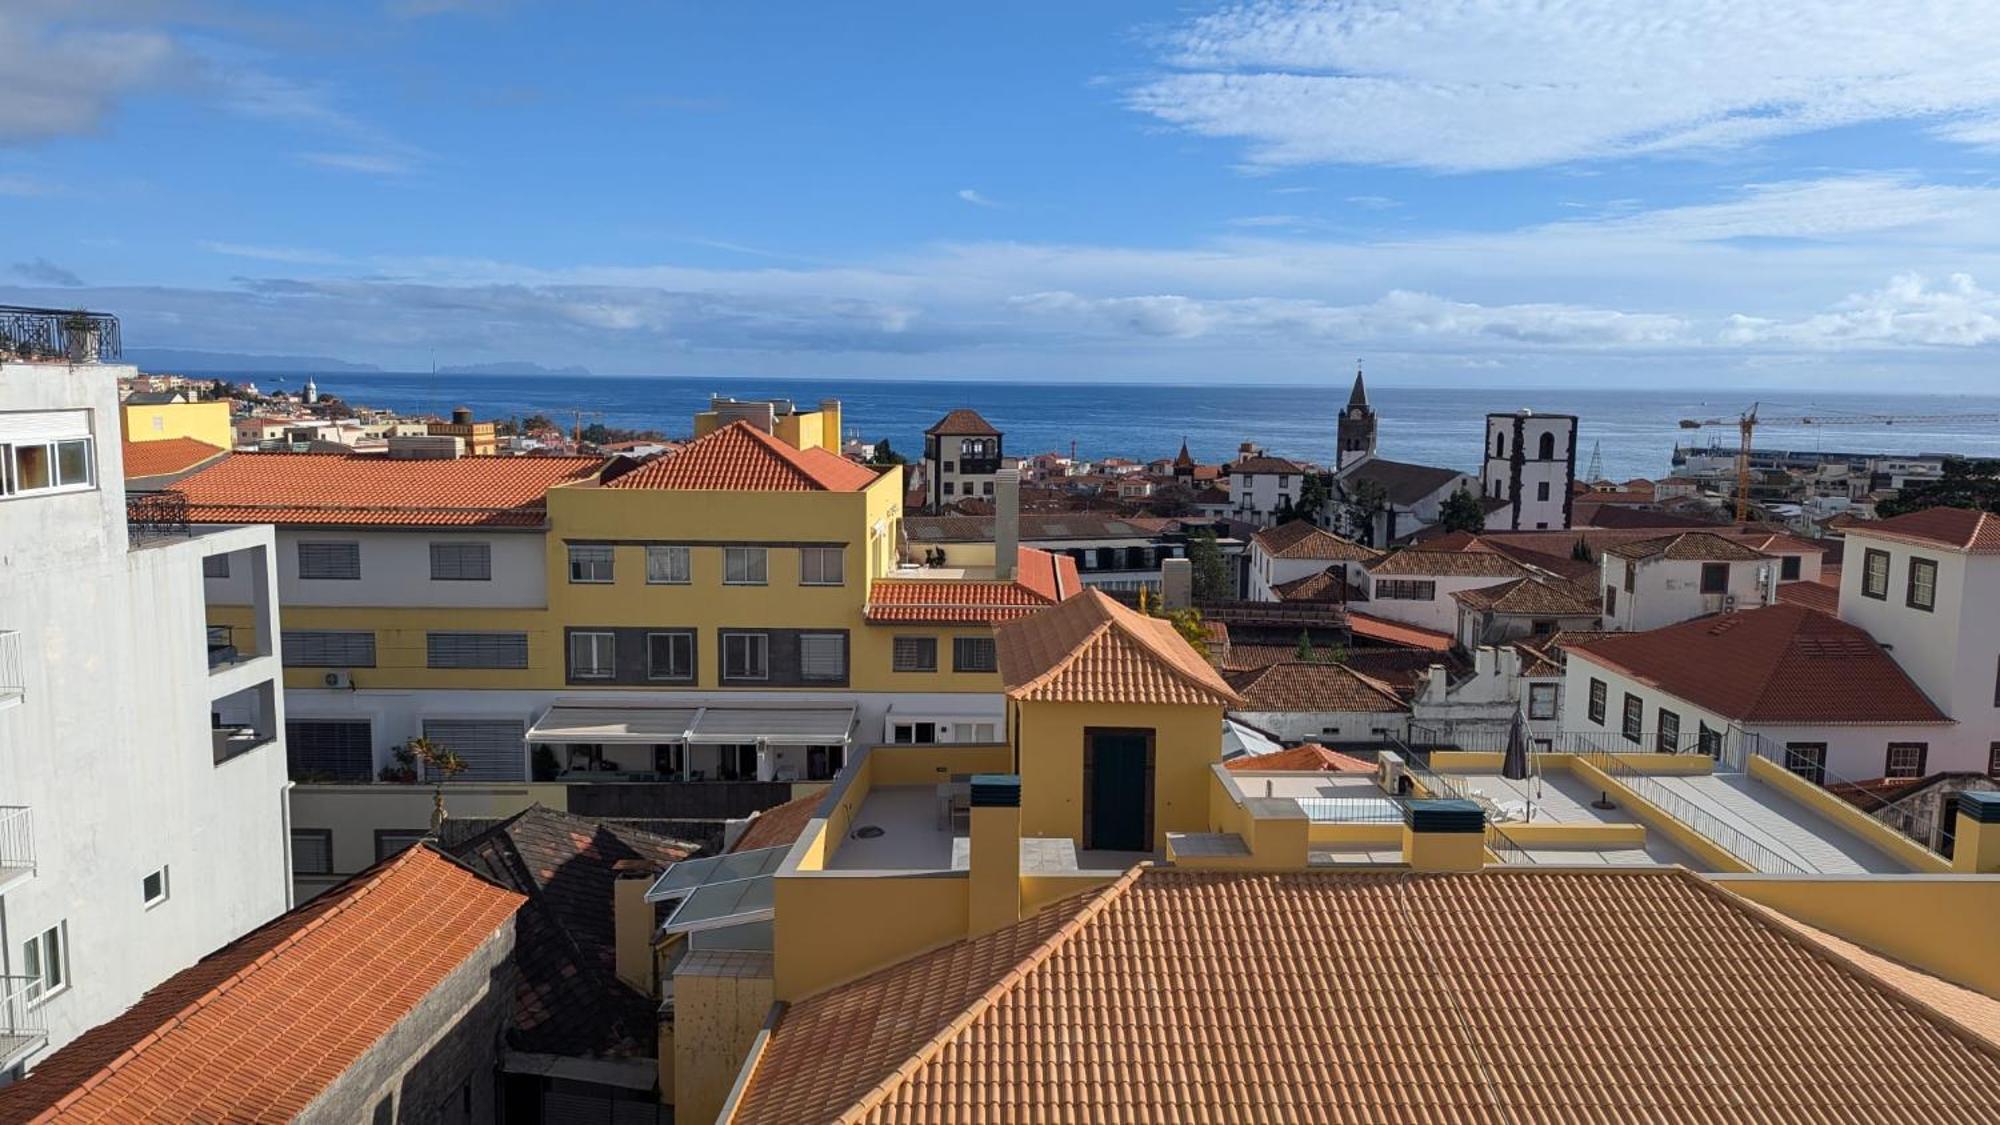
[742, 458]
[1534, 596]
[1427, 561]
[1690, 546]
[779, 825]
[1960, 528]
[258, 1029]
[325, 490]
[166, 457]
[1377, 996]
[1812, 595]
[1307, 756]
[1326, 586]
[1296, 686]
[1041, 579]
[963, 423]
[1782, 663]
[1090, 649]
[1396, 632]
[1275, 466]
[1300, 539]
[1402, 482]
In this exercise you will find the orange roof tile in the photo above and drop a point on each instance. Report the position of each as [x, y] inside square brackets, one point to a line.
[259, 1028]
[1687, 546]
[1382, 996]
[1781, 663]
[167, 456]
[1041, 579]
[1812, 595]
[1301, 539]
[323, 490]
[779, 825]
[1428, 561]
[1397, 633]
[1300, 686]
[1310, 756]
[742, 458]
[1090, 649]
[963, 423]
[1327, 586]
[1960, 528]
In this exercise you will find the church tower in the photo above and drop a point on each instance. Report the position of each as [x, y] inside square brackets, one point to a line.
[1357, 426]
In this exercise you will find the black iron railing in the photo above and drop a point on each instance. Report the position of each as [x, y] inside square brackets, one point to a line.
[152, 514]
[76, 335]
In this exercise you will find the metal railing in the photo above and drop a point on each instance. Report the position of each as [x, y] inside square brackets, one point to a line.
[75, 335]
[156, 513]
[1493, 740]
[1700, 821]
[1920, 826]
[1351, 810]
[17, 838]
[21, 1027]
[13, 674]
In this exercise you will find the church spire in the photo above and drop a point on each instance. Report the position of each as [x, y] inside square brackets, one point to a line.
[1358, 396]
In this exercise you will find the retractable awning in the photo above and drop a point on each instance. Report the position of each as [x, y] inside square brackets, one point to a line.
[564, 723]
[729, 725]
[774, 726]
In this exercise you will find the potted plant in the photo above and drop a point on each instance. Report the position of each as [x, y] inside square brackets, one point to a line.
[404, 770]
[442, 764]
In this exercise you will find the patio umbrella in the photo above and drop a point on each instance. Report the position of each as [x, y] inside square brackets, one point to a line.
[1514, 764]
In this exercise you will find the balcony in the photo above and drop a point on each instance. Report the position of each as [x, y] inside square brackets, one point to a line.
[13, 673]
[17, 846]
[21, 1030]
[57, 335]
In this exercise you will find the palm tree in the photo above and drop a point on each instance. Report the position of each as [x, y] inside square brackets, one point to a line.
[443, 764]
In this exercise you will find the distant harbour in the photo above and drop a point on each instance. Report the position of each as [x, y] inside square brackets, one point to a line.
[1637, 429]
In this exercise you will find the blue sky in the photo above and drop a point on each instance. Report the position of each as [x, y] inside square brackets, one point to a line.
[1463, 191]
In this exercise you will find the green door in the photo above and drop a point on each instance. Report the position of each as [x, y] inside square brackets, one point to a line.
[1118, 783]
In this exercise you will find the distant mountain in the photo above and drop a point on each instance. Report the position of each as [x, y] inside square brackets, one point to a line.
[181, 359]
[516, 367]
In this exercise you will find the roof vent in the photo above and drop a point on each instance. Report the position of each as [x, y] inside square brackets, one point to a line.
[867, 832]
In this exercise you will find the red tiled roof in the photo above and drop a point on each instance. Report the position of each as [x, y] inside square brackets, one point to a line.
[261, 1027]
[1396, 632]
[1812, 595]
[318, 489]
[779, 825]
[1090, 649]
[964, 423]
[1534, 596]
[1961, 528]
[1041, 579]
[167, 456]
[1687, 546]
[1309, 756]
[1326, 586]
[742, 458]
[1433, 561]
[1272, 466]
[1298, 686]
[1300, 539]
[1779, 664]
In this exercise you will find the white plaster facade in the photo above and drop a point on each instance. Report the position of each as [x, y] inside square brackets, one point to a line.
[1652, 593]
[1258, 493]
[1329, 727]
[1439, 612]
[106, 739]
[396, 571]
[1530, 464]
[1478, 706]
[1268, 572]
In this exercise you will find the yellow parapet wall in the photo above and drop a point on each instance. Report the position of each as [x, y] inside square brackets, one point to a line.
[1942, 924]
[1899, 847]
[835, 926]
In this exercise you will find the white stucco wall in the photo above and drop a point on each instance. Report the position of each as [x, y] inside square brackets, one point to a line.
[1327, 726]
[1267, 572]
[1557, 472]
[1440, 613]
[1258, 496]
[1668, 591]
[396, 571]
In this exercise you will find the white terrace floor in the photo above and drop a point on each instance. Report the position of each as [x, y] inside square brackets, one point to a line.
[913, 838]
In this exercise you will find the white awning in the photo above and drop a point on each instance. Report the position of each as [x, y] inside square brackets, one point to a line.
[737, 724]
[774, 726]
[562, 723]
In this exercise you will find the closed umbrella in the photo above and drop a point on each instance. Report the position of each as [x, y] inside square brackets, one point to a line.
[1514, 764]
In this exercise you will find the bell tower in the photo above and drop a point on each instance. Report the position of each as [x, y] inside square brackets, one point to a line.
[1357, 425]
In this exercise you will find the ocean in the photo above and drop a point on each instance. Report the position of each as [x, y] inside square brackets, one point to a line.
[1636, 430]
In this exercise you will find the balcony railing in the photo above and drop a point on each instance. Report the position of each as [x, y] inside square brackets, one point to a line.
[72, 335]
[17, 843]
[150, 515]
[13, 674]
[1920, 824]
[1703, 822]
[22, 1031]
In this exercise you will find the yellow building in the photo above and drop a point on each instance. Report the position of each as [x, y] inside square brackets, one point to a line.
[796, 426]
[162, 417]
[478, 439]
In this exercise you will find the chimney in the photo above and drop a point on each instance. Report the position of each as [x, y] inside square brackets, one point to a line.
[1444, 835]
[993, 896]
[632, 920]
[1006, 523]
[1176, 583]
[461, 416]
[1482, 661]
[1977, 847]
[1439, 683]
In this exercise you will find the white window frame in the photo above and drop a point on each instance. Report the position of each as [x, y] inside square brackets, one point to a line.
[762, 647]
[839, 643]
[45, 957]
[608, 669]
[591, 554]
[10, 469]
[738, 571]
[669, 565]
[166, 887]
[813, 566]
[652, 668]
[1551, 694]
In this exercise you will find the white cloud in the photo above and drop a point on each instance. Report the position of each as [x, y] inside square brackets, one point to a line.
[58, 80]
[972, 196]
[1464, 85]
[1908, 311]
[376, 164]
[291, 255]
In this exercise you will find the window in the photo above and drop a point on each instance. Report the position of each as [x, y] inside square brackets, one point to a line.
[1807, 760]
[461, 562]
[1923, 584]
[1668, 738]
[312, 851]
[393, 841]
[1788, 568]
[215, 566]
[1709, 740]
[975, 654]
[334, 749]
[744, 566]
[822, 656]
[153, 888]
[1610, 600]
[1543, 699]
[476, 650]
[1597, 694]
[592, 655]
[1905, 759]
[1633, 726]
[1715, 578]
[1631, 574]
[822, 566]
[327, 648]
[45, 466]
[1547, 451]
[1499, 445]
[668, 566]
[670, 656]
[746, 656]
[45, 962]
[330, 561]
[1406, 590]
[1875, 574]
[590, 564]
[947, 484]
[1542, 490]
[925, 734]
[914, 654]
[1993, 761]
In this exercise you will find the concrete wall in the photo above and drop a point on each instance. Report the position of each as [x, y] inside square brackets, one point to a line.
[1440, 613]
[202, 421]
[110, 746]
[396, 571]
[1328, 727]
[1668, 591]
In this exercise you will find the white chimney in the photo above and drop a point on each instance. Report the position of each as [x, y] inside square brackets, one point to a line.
[1006, 522]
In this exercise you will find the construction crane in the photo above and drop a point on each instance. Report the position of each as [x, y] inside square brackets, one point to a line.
[1747, 423]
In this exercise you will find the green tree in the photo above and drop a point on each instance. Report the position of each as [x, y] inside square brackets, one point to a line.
[1965, 484]
[1171, 500]
[537, 422]
[1582, 552]
[1313, 498]
[881, 454]
[1461, 511]
[1304, 652]
[1370, 500]
[1210, 569]
[596, 434]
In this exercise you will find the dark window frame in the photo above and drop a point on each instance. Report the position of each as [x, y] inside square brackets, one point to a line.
[1919, 564]
[323, 834]
[291, 659]
[1889, 769]
[652, 668]
[926, 641]
[456, 557]
[723, 639]
[1715, 578]
[1790, 567]
[959, 663]
[469, 637]
[1600, 701]
[1667, 731]
[1869, 588]
[1632, 718]
[610, 670]
[592, 554]
[352, 553]
[840, 642]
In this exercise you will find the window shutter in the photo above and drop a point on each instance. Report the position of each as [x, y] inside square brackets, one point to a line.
[461, 562]
[477, 650]
[330, 560]
[822, 656]
[328, 648]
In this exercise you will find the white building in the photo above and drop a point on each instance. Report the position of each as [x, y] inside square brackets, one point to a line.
[142, 766]
[1297, 550]
[1653, 583]
[1261, 487]
[1415, 585]
[1535, 606]
[1378, 501]
[961, 459]
[1531, 469]
[1327, 703]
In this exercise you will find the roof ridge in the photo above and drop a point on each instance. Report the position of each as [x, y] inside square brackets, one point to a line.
[222, 987]
[1094, 904]
[1068, 658]
[1184, 675]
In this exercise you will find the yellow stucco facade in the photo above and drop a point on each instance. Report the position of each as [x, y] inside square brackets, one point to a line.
[1052, 739]
[206, 422]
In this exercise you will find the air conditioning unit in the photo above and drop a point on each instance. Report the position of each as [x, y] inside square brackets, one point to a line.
[338, 680]
[1389, 772]
[1728, 602]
